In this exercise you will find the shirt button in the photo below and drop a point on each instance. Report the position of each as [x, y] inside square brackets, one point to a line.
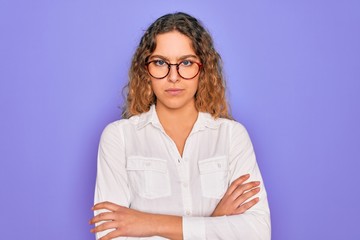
[188, 213]
[219, 165]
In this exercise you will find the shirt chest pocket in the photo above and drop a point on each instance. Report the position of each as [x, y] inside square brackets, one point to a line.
[214, 175]
[148, 177]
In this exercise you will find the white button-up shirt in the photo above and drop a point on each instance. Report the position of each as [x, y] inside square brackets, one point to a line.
[139, 166]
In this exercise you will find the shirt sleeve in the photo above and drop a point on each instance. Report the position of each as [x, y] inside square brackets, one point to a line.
[111, 179]
[255, 222]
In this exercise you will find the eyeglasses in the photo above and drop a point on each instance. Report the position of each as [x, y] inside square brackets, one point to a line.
[187, 69]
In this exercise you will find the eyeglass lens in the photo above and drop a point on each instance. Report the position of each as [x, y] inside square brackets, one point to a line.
[186, 69]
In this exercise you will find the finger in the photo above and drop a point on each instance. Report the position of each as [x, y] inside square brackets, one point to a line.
[240, 180]
[106, 216]
[241, 189]
[247, 187]
[246, 206]
[106, 205]
[246, 196]
[103, 227]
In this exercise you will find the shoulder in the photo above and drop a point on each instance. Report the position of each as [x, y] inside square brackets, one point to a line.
[230, 124]
[124, 125]
[116, 128]
[116, 125]
[236, 131]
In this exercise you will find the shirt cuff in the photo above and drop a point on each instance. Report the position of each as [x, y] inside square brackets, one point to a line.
[193, 228]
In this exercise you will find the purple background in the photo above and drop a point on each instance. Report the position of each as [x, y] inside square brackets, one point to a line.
[293, 71]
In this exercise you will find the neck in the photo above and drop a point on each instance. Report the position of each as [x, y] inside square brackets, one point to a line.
[183, 117]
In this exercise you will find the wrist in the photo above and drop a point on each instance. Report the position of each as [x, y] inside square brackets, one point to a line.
[166, 226]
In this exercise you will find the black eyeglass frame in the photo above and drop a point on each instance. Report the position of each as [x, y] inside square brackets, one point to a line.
[177, 69]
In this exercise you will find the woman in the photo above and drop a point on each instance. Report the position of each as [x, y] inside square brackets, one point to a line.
[177, 166]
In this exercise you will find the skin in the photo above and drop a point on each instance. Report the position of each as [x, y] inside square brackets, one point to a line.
[174, 47]
[177, 113]
[234, 199]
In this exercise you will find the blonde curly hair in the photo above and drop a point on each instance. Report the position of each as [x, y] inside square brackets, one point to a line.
[210, 96]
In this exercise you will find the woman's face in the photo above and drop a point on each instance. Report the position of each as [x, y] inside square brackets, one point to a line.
[173, 91]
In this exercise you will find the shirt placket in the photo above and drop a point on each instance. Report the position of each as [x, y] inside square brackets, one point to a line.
[183, 168]
[184, 173]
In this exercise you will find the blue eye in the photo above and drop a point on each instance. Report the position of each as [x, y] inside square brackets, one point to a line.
[160, 62]
[186, 63]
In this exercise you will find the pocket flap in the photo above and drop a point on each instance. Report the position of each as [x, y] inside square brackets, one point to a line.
[146, 164]
[211, 165]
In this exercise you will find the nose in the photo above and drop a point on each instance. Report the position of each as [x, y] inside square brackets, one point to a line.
[173, 74]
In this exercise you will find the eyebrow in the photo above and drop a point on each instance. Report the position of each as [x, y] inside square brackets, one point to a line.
[180, 58]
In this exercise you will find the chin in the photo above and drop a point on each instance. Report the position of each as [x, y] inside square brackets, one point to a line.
[175, 105]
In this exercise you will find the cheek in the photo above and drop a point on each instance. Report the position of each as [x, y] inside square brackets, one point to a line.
[155, 86]
[195, 85]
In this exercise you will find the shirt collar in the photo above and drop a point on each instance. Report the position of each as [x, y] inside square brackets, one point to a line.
[148, 117]
[204, 120]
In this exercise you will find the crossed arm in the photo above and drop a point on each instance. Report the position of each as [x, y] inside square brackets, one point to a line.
[132, 223]
[239, 214]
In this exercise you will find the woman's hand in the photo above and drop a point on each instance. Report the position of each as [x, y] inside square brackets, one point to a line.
[124, 221]
[132, 223]
[234, 199]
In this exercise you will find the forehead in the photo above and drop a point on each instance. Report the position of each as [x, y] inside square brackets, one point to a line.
[173, 45]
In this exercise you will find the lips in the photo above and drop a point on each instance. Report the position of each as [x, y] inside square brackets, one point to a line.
[174, 91]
